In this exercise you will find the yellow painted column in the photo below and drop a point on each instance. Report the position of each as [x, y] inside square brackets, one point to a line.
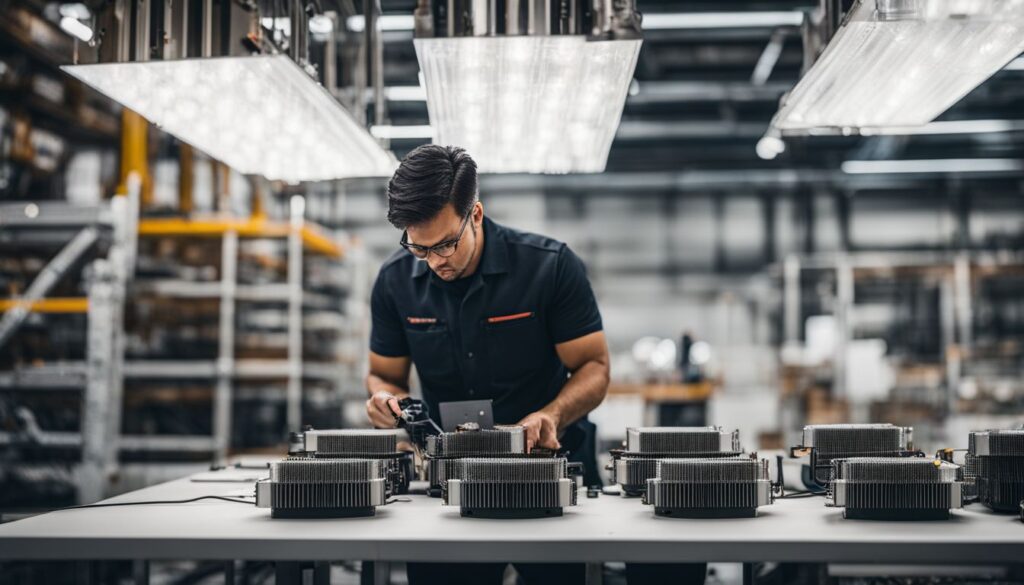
[134, 154]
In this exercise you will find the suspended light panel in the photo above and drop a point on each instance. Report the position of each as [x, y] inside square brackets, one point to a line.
[533, 104]
[903, 62]
[260, 115]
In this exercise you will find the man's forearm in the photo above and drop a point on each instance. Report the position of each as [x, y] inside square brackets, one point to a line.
[375, 384]
[584, 391]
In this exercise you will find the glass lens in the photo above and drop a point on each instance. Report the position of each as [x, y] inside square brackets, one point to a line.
[445, 250]
[417, 252]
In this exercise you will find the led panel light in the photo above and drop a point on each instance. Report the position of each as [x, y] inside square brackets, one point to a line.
[259, 115]
[904, 62]
[724, 20]
[542, 104]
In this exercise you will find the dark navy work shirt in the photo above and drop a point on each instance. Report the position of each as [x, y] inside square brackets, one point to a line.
[491, 335]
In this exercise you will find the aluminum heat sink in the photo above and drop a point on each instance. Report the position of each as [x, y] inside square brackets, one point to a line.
[633, 466]
[446, 451]
[305, 487]
[996, 462]
[501, 440]
[358, 444]
[350, 442]
[825, 443]
[511, 488]
[887, 488]
[709, 488]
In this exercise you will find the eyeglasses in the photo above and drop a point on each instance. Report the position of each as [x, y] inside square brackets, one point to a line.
[444, 249]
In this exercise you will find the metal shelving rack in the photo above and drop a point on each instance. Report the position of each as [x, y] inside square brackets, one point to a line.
[301, 238]
[99, 376]
[104, 372]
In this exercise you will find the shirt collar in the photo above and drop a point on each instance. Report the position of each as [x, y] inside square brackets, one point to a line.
[495, 256]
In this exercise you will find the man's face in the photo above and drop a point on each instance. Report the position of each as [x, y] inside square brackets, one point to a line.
[443, 227]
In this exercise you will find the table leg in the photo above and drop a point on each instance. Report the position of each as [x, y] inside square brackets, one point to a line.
[85, 573]
[748, 574]
[595, 574]
[229, 572]
[140, 572]
[321, 573]
[288, 573]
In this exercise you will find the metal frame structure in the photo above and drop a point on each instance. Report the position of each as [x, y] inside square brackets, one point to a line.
[101, 374]
[956, 300]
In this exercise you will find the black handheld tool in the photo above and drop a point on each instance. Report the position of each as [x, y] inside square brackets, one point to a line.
[415, 419]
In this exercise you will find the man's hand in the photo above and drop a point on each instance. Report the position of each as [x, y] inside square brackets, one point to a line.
[541, 430]
[382, 408]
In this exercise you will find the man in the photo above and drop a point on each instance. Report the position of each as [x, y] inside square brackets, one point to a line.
[483, 312]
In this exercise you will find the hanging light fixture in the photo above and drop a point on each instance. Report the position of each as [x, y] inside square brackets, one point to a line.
[230, 92]
[532, 88]
[902, 63]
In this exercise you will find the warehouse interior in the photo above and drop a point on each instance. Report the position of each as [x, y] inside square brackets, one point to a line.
[181, 294]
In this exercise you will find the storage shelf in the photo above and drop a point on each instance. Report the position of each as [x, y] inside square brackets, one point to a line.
[313, 238]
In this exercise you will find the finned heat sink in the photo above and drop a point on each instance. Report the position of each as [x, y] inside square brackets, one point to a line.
[359, 444]
[842, 441]
[887, 488]
[997, 461]
[511, 488]
[645, 446]
[305, 487]
[445, 451]
[681, 440]
[350, 442]
[501, 440]
[709, 488]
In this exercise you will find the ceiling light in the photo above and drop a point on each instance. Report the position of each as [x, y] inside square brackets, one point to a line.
[539, 104]
[769, 147]
[946, 127]
[405, 93]
[75, 10]
[701, 20]
[260, 115]
[76, 28]
[385, 21]
[321, 24]
[902, 63]
[408, 132]
[950, 165]
[280, 23]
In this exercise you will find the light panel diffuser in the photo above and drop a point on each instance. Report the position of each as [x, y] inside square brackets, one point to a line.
[259, 115]
[904, 62]
[542, 104]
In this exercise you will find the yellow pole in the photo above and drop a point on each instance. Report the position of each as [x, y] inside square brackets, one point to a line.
[258, 211]
[134, 156]
[186, 159]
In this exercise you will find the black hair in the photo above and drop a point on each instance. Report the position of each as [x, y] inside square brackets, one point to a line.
[430, 177]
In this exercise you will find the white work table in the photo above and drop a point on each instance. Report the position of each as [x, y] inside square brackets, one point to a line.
[608, 528]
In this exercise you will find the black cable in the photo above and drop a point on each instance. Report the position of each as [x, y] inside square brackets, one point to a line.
[799, 494]
[226, 499]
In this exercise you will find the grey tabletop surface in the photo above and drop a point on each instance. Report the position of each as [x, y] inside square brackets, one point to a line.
[418, 528]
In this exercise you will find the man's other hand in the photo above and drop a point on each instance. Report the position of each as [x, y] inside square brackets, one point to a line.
[541, 430]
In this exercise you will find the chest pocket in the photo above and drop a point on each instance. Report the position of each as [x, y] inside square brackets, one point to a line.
[517, 346]
[433, 354]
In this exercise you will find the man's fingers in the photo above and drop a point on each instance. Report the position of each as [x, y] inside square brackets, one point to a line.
[549, 438]
[393, 403]
[532, 436]
[378, 414]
